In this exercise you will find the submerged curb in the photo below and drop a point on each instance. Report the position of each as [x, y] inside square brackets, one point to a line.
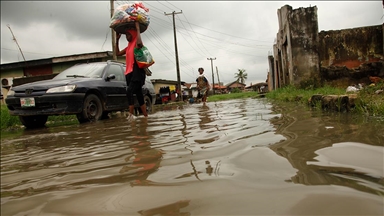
[340, 103]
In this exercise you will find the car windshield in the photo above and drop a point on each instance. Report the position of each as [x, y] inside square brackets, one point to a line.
[83, 70]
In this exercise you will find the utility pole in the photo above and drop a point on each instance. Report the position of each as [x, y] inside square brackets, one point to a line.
[113, 32]
[180, 96]
[217, 71]
[14, 38]
[213, 78]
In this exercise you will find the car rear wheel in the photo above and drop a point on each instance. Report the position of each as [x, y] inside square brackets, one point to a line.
[33, 121]
[92, 109]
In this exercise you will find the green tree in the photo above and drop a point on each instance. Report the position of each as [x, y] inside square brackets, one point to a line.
[241, 75]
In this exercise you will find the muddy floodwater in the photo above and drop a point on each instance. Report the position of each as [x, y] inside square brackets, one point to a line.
[237, 157]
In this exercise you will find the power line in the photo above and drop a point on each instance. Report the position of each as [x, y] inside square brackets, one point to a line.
[194, 33]
[191, 45]
[164, 45]
[231, 35]
[155, 9]
[161, 22]
[165, 24]
[28, 52]
[164, 5]
[173, 5]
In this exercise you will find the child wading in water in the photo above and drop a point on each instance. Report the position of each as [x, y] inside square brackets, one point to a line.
[202, 85]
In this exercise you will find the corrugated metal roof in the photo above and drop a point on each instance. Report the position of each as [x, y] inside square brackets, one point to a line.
[52, 60]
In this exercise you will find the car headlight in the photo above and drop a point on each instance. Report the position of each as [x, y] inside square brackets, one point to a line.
[62, 89]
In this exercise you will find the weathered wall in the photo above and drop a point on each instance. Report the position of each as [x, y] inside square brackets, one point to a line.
[350, 56]
[305, 57]
[271, 74]
[295, 57]
[304, 69]
[282, 49]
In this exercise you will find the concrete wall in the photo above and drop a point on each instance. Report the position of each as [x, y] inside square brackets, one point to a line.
[295, 54]
[271, 74]
[60, 67]
[282, 50]
[350, 56]
[12, 73]
[304, 57]
[304, 64]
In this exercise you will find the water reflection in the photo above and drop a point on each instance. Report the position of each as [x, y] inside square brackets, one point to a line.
[205, 117]
[310, 134]
[145, 159]
[239, 157]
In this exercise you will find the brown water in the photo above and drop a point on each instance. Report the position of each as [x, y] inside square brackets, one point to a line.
[238, 157]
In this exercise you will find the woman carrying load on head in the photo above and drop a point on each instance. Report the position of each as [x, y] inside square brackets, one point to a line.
[134, 75]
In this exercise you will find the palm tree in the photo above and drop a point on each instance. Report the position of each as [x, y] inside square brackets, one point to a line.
[241, 75]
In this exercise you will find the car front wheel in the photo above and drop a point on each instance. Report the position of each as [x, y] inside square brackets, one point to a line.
[33, 121]
[92, 109]
[148, 103]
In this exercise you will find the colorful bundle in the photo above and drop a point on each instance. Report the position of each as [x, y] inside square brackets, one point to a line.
[125, 16]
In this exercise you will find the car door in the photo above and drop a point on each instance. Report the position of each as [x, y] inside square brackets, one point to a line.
[115, 89]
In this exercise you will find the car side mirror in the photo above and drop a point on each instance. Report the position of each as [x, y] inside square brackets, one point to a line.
[109, 77]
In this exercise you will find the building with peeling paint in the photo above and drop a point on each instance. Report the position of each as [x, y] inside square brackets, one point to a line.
[304, 57]
[350, 56]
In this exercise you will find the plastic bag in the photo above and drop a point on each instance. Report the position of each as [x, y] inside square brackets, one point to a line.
[143, 57]
[125, 15]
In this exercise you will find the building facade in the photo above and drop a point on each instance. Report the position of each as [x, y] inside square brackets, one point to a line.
[306, 58]
[295, 58]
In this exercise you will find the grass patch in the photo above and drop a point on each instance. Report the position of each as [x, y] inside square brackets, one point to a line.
[291, 93]
[368, 101]
[9, 122]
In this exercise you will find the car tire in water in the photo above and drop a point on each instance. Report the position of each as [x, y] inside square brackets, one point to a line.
[92, 109]
[33, 121]
[148, 104]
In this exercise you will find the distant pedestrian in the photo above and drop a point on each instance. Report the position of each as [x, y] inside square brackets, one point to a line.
[135, 76]
[202, 85]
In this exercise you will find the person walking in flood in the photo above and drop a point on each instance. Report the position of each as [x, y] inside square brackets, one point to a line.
[202, 85]
[135, 76]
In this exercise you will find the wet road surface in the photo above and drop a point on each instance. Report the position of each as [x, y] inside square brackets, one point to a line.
[238, 157]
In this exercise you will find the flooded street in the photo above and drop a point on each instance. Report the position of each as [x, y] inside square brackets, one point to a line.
[237, 157]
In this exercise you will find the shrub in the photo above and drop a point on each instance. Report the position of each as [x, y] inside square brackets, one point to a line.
[8, 121]
[236, 90]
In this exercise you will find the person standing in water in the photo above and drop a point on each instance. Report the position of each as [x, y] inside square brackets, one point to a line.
[135, 76]
[202, 85]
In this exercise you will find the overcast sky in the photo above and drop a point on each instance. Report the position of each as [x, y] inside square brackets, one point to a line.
[240, 35]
